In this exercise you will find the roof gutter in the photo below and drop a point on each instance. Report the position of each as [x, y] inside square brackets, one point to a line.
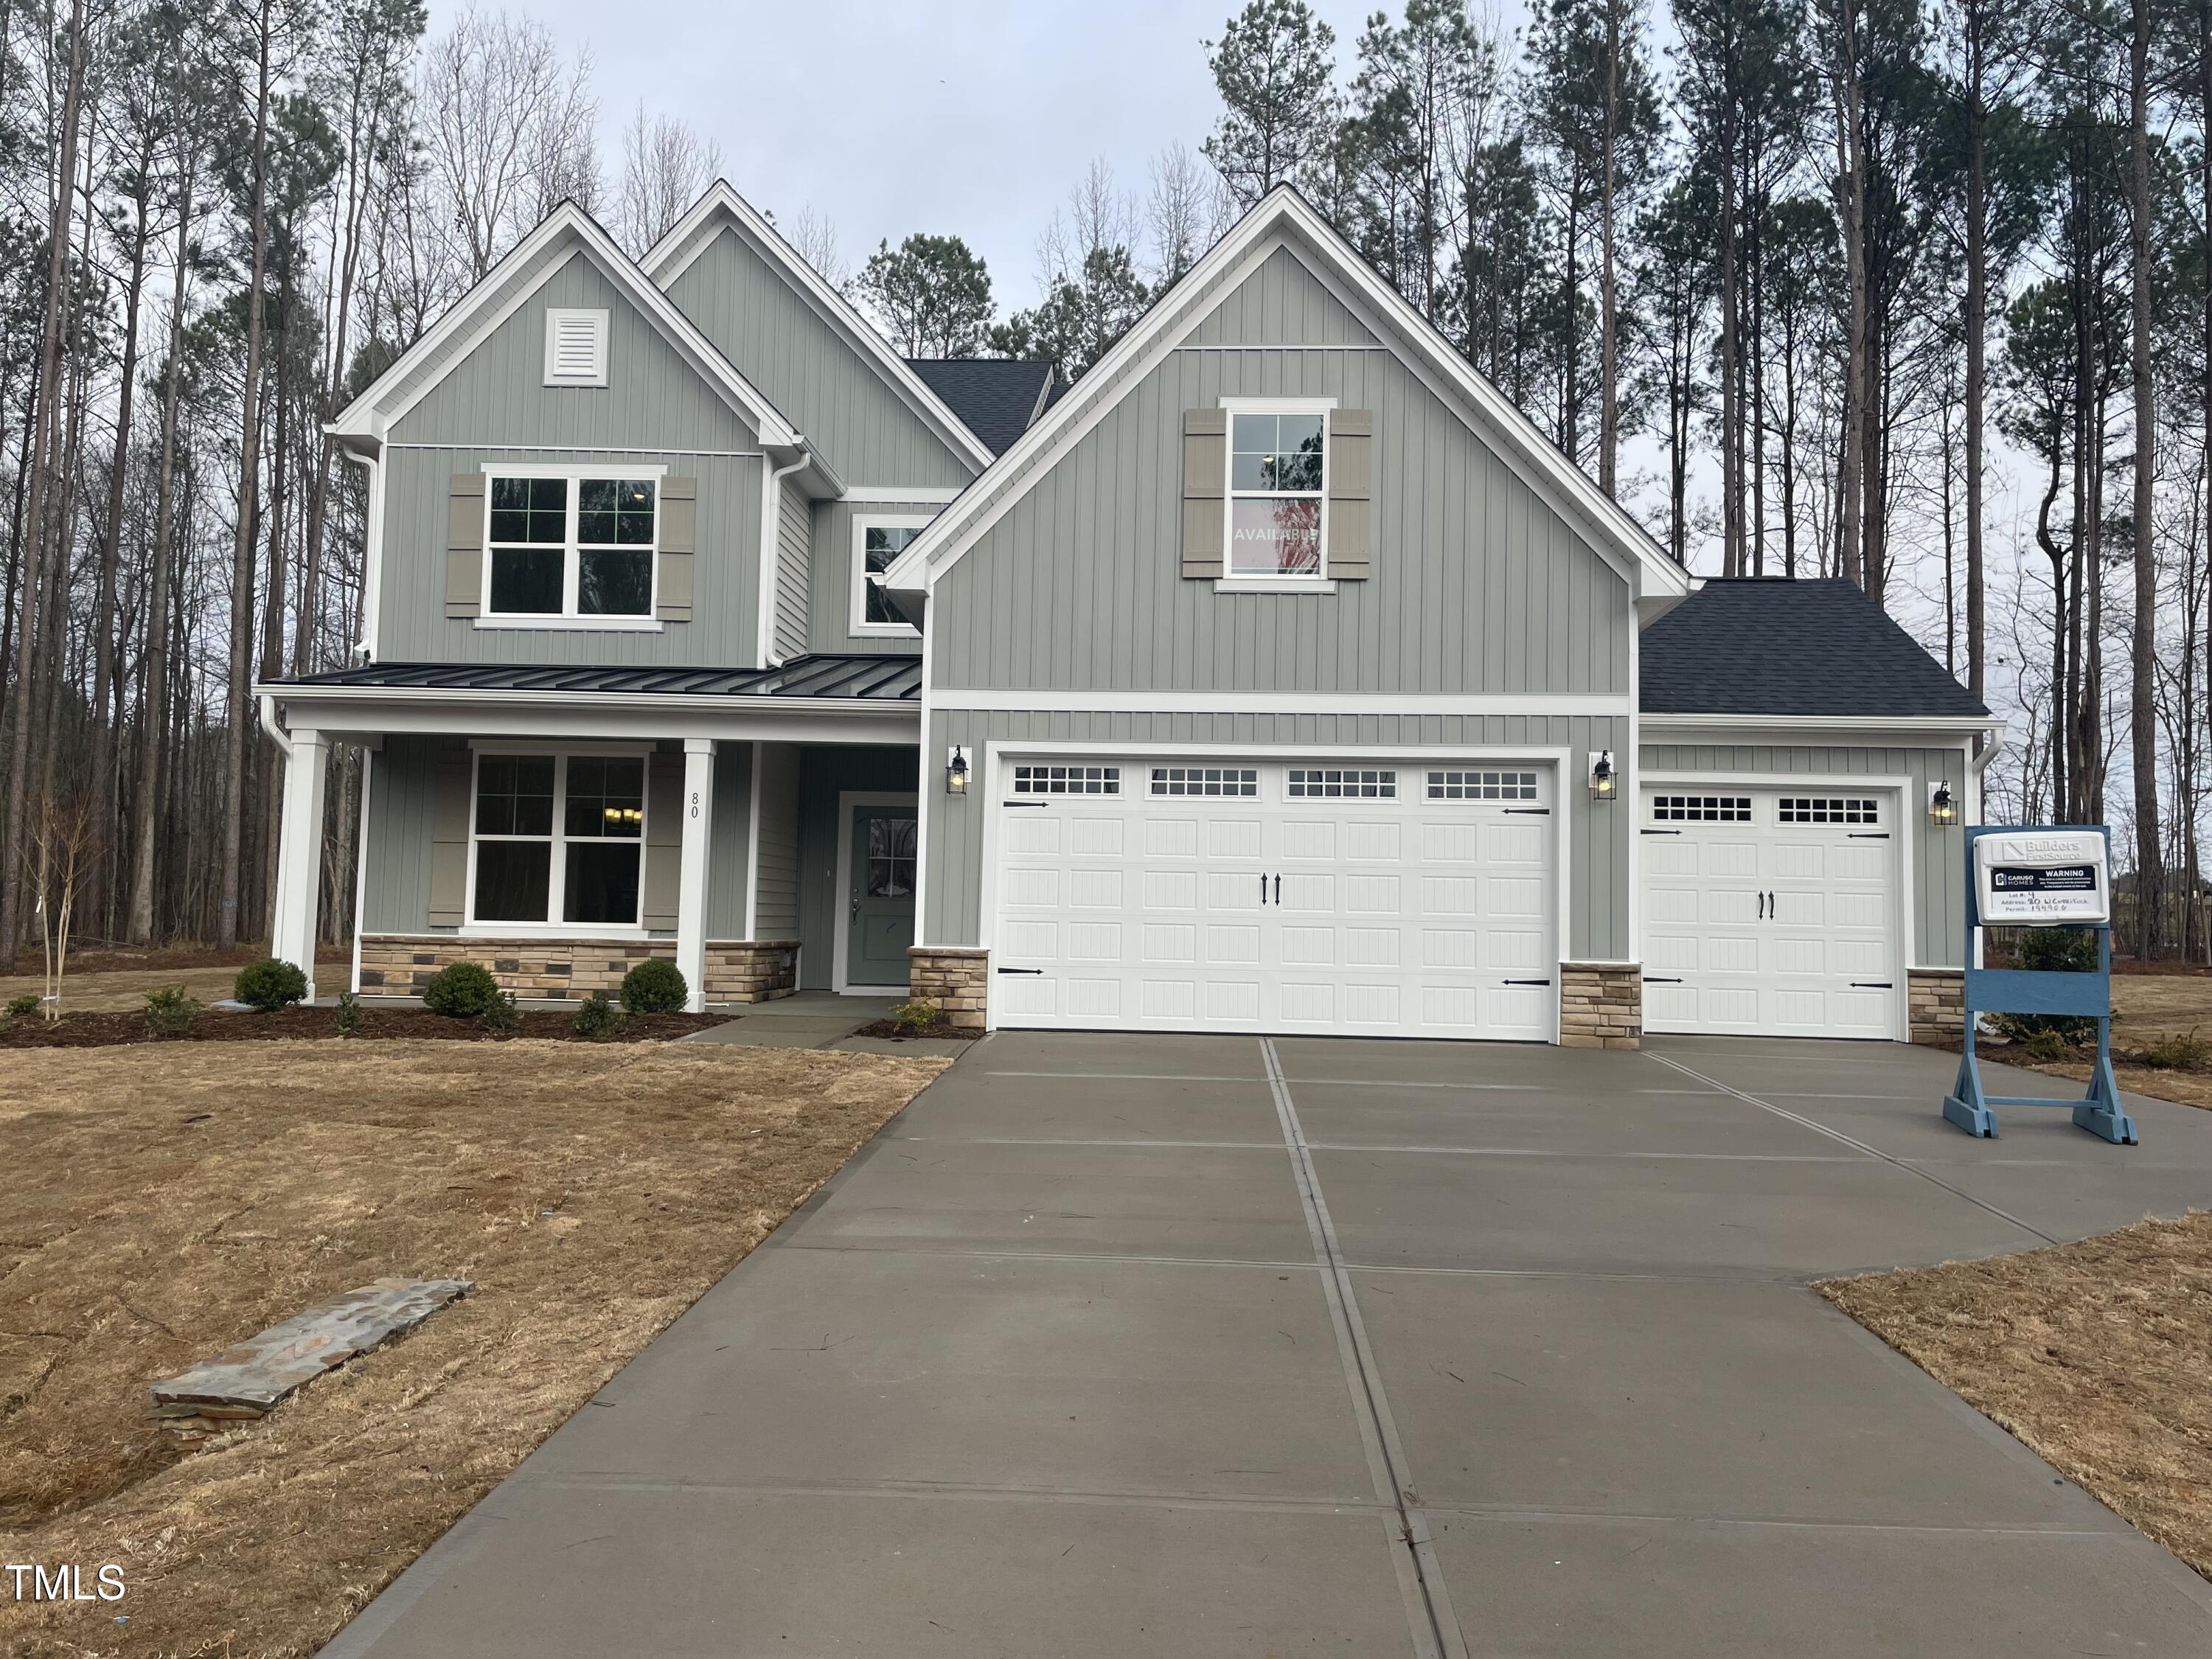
[291, 693]
[771, 527]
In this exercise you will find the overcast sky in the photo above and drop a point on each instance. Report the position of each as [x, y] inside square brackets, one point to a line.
[966, 117]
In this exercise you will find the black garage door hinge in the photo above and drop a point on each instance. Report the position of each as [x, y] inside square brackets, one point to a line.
[1654, 979]
[1026, 803]
[1532, 811]
[1528, 981]
[1868, 835]
[1873, 985]
[1662, 832]
[1020, 970]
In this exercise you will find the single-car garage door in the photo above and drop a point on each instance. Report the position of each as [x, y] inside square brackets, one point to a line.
[1771, 911]
[1389, 900]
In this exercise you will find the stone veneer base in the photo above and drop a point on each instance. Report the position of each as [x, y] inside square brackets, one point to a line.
[1936, 1004]
[956, 978]
[563, 970]
[1600, 1004]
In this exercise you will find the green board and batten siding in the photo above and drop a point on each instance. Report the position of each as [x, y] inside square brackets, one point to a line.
[1938, 864]
[1477, 588]
[494, 406]
[819, 381]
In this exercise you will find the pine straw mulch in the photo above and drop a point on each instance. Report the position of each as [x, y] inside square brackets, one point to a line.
[2097, 1354]
[102, 1030]
[161, 1203]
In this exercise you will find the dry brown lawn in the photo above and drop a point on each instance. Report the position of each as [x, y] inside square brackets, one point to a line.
[109, 981]
[2154, 1006]
[157, 1204]
[2096, 1354]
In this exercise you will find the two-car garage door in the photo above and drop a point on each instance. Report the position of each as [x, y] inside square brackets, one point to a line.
[1405, 900]
[1772, 912]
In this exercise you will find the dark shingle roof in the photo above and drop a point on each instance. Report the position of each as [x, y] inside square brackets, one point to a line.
[871, 678]
[996, 397]
[1768, 645]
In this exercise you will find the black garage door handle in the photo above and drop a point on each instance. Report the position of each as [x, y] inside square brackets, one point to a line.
[1021, 971]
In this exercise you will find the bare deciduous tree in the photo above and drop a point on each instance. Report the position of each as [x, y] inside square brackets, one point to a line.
[665, 166]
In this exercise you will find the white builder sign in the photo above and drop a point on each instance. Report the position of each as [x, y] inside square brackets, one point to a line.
[2042, 878]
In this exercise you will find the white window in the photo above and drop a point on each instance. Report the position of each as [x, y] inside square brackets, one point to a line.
[1205, 780]
[1067, 779]
[878, 539]
[1482, 786]
[1341, 783]
[568, 544]
[1278, 493]
[557, 840]
[575, 347]
[1828, 809]
[1702, 809]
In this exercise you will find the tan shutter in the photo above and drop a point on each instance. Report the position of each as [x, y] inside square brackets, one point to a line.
[1205, 482]
[449, 837]
[1351, 494]
[663, 838]
[464, 543]
[679, 535]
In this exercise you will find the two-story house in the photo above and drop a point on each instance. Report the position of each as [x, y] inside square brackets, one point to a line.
[1278, 676]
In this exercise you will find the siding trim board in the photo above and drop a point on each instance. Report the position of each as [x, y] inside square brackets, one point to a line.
[1277, 702]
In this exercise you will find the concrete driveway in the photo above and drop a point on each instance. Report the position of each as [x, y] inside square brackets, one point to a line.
[1208, 1345]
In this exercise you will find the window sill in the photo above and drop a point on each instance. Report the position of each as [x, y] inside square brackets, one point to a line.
[882, 631]
[1273, 585]
[576, 624]
[550, 929]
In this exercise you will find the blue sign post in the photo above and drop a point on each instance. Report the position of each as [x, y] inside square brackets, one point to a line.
[2025, 991]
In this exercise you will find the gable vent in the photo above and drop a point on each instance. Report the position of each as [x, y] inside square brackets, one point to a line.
[575, 347]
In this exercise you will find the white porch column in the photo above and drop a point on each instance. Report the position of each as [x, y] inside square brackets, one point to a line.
[691, 886]
[299, 854]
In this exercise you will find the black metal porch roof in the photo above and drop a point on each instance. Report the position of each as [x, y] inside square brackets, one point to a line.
[887, 679]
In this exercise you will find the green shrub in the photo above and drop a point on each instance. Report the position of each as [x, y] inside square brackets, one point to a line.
[595, 1016]
[915, 1018]
[2053, 950]
[502, 1015]
[170, 1013]
[460, 990]
[19, 1007]
[348, 1017]
[654, 987]
[268, 984]
[2044, 1046]
[2177, 1052]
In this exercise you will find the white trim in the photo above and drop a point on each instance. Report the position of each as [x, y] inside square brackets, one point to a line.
[1902, 831]
[1000, 751]
[694, 857]
[1278, 406]
[1511, 434]
[1564, 705]
[1280, 584]
[557, 839]
[583, 469]
[857, 625]
[556, 317]
[1950, 725]
[1628, 765]
[841, 941]
[572, 551]
[563, 234]
[372, 586]
[668, 259]
[1286, 345]
[559, 716]
[753, 839]
[899, 494]
[621, 624]
[361, 868]
[931, 794]
[591, 449]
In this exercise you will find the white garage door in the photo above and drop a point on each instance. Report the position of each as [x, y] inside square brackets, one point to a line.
[1387, 900]
[1771, 912]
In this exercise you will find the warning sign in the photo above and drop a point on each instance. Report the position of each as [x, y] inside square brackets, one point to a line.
[2042, 878]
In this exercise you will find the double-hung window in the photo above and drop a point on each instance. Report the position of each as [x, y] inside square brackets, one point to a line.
[570, 545]
[1278, 478]
[558, 840]
[879, 539]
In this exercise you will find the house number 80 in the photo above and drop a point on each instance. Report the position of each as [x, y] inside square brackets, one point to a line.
[694, 803]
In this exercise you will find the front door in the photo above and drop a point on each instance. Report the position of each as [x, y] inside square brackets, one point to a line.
[879, 897]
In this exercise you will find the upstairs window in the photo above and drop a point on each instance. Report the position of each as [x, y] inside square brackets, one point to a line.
[879, 539]
[575, 347]
[1278, 466]
[570, 546]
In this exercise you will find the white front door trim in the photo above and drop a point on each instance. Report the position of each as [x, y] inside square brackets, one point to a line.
[841, 934]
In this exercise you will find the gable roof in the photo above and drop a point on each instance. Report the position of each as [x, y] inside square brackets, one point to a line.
[563, 234]
[996, 397]
[722, 208]
[1283, 217]
[1772, 645]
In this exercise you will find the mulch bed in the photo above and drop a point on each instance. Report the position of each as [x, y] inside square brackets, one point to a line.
[889, 1027]
[102, 1031]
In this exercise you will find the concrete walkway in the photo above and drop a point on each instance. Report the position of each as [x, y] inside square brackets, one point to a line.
[1213, 1346]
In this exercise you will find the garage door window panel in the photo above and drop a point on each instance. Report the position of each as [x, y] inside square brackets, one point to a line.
[1067, 779]
[1341, 783]
[1830, 809]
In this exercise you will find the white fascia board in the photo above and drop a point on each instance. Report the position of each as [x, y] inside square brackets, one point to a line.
[562, 233]
[689, 236]
[600, 716]
[1355, 703]
[1565, 487]
[1853, 729]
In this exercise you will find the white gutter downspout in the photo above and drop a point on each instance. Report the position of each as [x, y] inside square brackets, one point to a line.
[372, 584]
[771, 524]
[277, 734]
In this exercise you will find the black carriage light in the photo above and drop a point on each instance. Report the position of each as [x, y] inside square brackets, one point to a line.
[956, 771]
[1942, 805]
[1603, 785]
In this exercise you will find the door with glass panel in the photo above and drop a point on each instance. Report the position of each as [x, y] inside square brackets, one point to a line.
[879, 897]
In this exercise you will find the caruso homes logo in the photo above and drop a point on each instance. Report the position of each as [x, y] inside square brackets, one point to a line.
[33, 1582]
